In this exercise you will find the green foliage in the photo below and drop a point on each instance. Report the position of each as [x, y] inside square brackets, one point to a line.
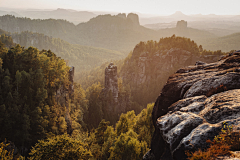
[95, 113]
[128, 147]
[125, 123]
[7, 40]
[60, 147]
[126, 140]
[78, 108]
[143, 125]
[28, 80]
[4, 153]
[99, 132]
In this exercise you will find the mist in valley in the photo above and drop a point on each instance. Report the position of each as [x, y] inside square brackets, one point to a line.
[111, 80]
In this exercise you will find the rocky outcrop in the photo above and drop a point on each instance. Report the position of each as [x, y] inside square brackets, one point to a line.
[122, 15]
[62, 97]
[193, 105]
[161, 64]
[71, 86]
[111, 80]
[134, 18]
[144, 69]
[131, 16]
[181, 24]
[114, 101]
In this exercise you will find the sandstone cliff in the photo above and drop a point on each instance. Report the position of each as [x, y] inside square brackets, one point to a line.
[63, 95]
[147, 72]
[181, 24]
[193, 105]
[115, 102]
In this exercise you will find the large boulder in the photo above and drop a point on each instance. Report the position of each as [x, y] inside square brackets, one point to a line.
[193, 105]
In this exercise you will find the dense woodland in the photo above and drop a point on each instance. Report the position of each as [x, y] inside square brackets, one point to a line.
[31, 116]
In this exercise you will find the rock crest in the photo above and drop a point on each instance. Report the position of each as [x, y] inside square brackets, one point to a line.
[111, 80]
[193, 105]
[114, 101]
[181, 24]
[134, 18]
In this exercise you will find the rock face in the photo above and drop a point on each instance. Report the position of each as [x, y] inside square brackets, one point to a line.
[134, 18]
[164, 64]
[114, 101]
[181, 24]
[62, 97]
[131, 16]
[122, 15]
[71, 86]
[193, 105]
[145, 69]
[111, 80]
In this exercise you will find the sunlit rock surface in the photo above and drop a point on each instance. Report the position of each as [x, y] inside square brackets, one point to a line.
[111, 80]
[193, 105]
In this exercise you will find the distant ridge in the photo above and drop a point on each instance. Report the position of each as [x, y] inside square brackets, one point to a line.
[119, 32]
[73, 16]
[178, 14]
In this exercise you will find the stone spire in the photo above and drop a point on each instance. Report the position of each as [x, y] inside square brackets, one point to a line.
[111, 80]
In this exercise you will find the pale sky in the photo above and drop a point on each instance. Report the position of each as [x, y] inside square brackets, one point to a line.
[161, 7]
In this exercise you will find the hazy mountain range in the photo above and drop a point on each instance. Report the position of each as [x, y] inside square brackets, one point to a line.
[76, 17]
[119, 32]
[122, 32]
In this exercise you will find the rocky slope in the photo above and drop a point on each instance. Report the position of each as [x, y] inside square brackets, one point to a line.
[147, 72]
[193, 105]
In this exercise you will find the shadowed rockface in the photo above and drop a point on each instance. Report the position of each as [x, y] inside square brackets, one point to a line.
[63, 94]
[193, 105]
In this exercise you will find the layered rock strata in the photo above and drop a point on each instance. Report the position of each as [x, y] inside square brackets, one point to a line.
[193, 105]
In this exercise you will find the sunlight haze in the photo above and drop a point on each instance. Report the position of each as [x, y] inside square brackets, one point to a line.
[160, 7]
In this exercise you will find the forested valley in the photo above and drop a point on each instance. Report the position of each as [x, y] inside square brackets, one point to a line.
[32, 116]
[54, 103]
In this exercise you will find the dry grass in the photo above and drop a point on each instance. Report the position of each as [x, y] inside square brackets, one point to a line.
[222, 145]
